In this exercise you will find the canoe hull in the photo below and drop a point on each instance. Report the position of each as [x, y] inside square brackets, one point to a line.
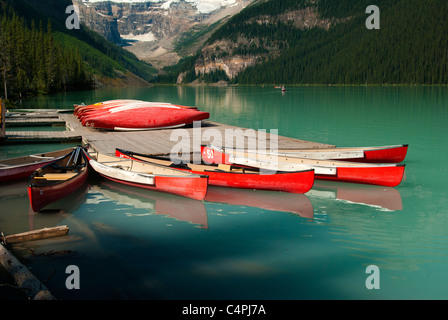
[41, 197]
[294, 182]
[27, 165]
[142, 118]
[386, 155]
[81, 110]
[21, 172]
[376, 174]
[42, 194]
[194, 186]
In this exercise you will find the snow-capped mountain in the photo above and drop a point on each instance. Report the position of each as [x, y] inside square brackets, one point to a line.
[151, 28]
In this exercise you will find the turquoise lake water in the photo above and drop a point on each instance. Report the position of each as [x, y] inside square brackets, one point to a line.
[245, 244]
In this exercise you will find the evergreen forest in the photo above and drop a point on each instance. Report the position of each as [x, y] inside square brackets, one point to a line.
[410, 47]
[40, 55]
[32, 62]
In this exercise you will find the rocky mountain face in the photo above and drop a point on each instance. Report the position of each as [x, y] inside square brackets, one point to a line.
[234, 55]
[154, 30]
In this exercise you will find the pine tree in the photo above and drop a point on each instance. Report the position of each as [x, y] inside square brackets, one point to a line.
[32, 62]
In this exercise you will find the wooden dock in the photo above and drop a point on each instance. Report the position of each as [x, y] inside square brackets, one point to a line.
[154, 142]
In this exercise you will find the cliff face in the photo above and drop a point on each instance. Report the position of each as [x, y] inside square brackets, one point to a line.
[151, 29]
[220, 56]
[233, 56]
[100, 19]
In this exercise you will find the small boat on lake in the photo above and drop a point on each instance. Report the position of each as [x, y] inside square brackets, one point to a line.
[381, 154]
[57, 179]
[149, 176]
[22, 167]
[389, 175]
[237, 177]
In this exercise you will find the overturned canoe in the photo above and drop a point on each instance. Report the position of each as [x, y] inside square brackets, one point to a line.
[82, 110]
[236, 177]
[145, 118]
[137, 115]
[58, 179]
[149, 176]
[389, 175]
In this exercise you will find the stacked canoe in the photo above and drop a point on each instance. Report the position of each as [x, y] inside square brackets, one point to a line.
[125, 115]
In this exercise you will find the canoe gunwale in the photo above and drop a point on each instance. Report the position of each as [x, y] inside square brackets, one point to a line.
[292, 181]
[390, 174]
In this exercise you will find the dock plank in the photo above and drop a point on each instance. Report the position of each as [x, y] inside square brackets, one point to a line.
[28, 122]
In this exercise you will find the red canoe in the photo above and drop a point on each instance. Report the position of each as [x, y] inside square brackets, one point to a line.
[149, 176]
[226, 176]
[121, 105]
[389, 175]
[127, 114]
[381, 154]
[145, 118]
[80, 110]
[57, 179]
[22, 167]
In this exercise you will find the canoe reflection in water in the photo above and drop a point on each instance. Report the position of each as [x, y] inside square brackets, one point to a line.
[269, 200]
[384, 198]
[194, 211]
[176, 207]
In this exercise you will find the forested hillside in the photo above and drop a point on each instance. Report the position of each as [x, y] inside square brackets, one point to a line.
[40, 55]
[32, 62]
[409, 48]
[333, 44]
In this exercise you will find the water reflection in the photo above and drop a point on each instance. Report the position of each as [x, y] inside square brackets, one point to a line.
[275, 201]
[194, 211]
[17, 215]
[382, 198]
[179, 208]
